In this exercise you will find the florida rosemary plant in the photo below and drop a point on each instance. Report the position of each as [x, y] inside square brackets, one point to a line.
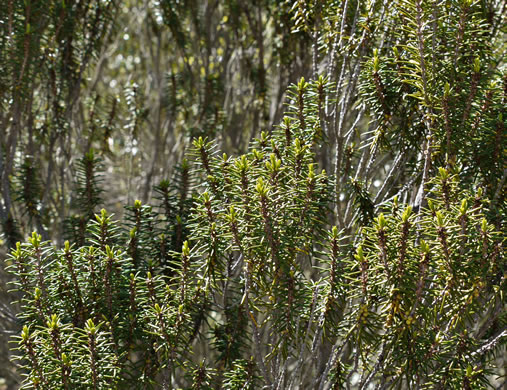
[263, 293]
[353, 239]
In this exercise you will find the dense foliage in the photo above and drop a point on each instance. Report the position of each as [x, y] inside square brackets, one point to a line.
[356, 241]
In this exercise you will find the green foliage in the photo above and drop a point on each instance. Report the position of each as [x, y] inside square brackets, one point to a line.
[30, 191]
[356, 244]
[87, 196]
[414, 298]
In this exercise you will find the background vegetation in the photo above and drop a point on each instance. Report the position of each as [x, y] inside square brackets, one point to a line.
[355, 240]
